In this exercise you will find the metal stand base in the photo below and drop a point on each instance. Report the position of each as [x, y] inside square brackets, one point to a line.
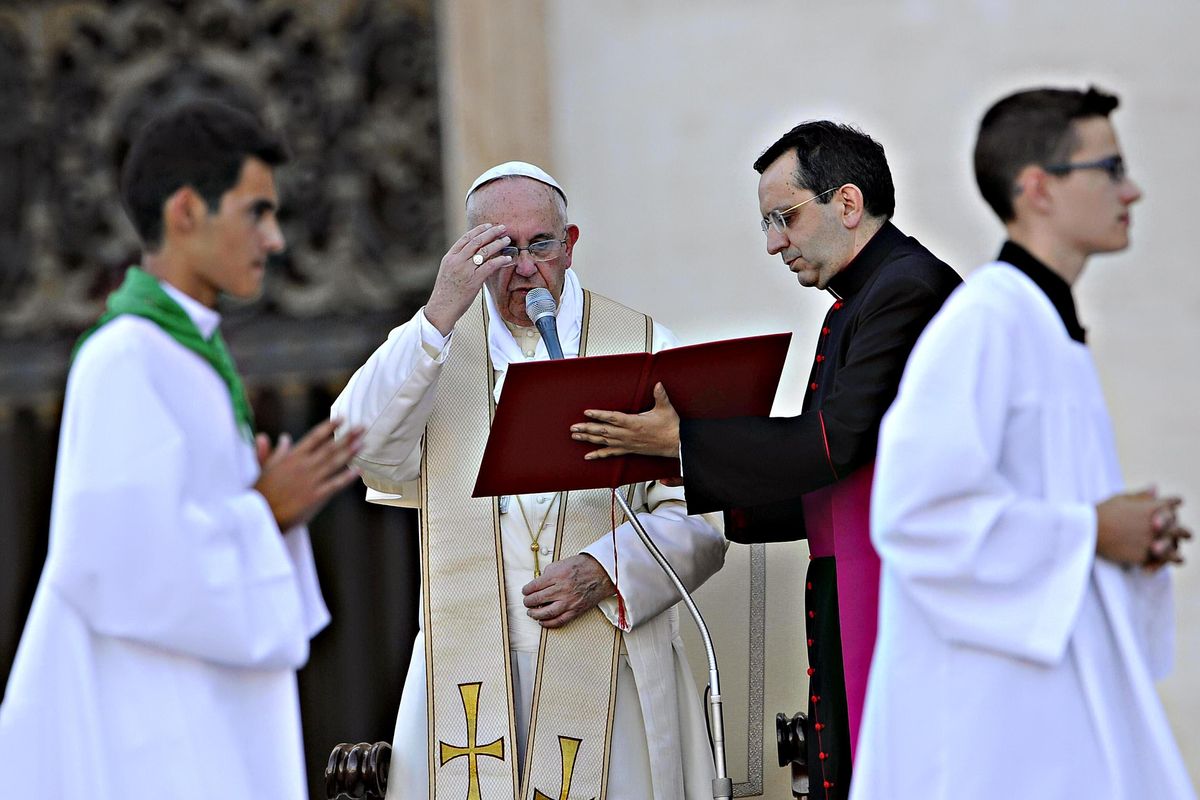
[722, 785]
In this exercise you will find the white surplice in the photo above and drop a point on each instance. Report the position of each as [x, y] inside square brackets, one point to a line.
[159, 657]
[658, 708]
[1011, 660]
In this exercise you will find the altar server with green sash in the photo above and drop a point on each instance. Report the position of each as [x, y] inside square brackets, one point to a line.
[179, 595]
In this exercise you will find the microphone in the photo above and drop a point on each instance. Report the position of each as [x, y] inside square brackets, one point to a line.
[540, 306]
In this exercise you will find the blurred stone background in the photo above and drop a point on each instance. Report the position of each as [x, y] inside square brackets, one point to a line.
[353, 87]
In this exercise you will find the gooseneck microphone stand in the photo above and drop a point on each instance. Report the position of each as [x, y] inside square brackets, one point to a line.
[722, 786]
[541, 308]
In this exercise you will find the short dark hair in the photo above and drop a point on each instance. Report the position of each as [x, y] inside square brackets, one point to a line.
[202, 144]
[829, 155]
[1034, 126]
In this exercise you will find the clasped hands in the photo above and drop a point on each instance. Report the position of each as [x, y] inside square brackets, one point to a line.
[1140, 529]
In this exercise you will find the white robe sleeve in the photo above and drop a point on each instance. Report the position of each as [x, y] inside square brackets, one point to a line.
[693, 545]
[989, 564]
[146, 549]
[392, 396]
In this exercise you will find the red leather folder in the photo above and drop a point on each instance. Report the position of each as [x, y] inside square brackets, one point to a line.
[530, 448]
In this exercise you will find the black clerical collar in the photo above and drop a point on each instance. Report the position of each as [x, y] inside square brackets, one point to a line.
[1051, 284]
[855, 275]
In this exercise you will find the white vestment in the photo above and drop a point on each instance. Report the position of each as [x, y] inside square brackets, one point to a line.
[159, 657]
[1011, 660]
[659, 714]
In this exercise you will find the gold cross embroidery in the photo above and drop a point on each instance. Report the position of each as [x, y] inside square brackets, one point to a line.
[470, 701]
[569, 748]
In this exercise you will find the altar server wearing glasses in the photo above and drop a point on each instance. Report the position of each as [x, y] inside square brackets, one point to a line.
[1025, 608]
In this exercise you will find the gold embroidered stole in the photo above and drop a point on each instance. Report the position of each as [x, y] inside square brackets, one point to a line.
[468, 670]
[472, 723]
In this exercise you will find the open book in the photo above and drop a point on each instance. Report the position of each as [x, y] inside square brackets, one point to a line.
[530, 448]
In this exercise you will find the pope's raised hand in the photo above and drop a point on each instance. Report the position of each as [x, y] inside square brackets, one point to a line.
[467, 264]
[651, 433]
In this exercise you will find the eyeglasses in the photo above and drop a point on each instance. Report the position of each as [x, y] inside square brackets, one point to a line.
[545, 250]
[1113, 165]
[778, 219]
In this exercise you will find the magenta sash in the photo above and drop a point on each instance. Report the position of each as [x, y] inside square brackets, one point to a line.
[838, 522]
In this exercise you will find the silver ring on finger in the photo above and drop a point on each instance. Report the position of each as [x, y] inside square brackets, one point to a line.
[478, 259]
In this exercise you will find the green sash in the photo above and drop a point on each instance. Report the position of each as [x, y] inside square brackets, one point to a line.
[141, 296]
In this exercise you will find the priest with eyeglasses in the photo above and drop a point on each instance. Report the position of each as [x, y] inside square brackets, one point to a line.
[826, 197]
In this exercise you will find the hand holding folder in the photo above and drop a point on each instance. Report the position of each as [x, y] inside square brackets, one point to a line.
[530, 448]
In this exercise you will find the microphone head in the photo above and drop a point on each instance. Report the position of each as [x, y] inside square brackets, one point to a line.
[539, 303]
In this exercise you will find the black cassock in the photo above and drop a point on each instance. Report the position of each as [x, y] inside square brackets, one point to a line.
[777, 478]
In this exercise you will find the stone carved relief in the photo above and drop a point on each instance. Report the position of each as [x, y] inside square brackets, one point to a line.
[350, 83]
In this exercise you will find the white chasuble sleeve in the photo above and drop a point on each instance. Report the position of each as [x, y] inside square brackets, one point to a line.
[391, 396]
[693, 545]
[956, 513]
[157, 535]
